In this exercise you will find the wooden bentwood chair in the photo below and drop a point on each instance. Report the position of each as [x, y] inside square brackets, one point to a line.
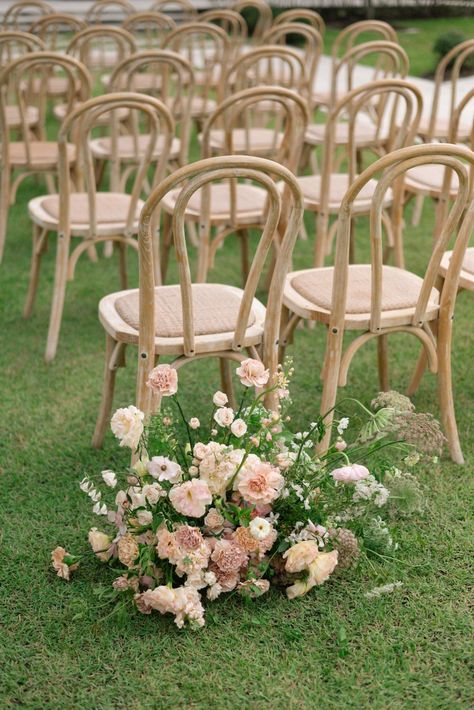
[188, 320]
[380, 300]
[79, 210]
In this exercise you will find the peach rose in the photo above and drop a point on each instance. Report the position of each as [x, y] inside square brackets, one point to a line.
[252, 373]
[323, 566]
[100, 543]
[191, 498]
[163, 380]
[259, 483]
[300, 556]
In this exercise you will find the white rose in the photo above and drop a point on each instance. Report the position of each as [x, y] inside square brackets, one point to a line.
[194, 423]
[109, 478]
[220, 399]
[200, 450]
[144, 517]
[153, 492]
[127, 425]
[100, 543]
[164, 470]
[224, 416]
[238, 427]
[260, 528]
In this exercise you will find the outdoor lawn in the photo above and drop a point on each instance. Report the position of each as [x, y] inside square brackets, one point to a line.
[334, 648]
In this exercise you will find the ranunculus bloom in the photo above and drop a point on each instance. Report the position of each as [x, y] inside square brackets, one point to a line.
[100, 543]
[350, 474]
[164, 470]
[163, 380]
[191, 498]
[153, 492]
[258, 482]
[252, 373]
[220, 399]
[145, 517]
[238, 428]
[127, 425]
[300, 556]
[260, 528]
[224, 416]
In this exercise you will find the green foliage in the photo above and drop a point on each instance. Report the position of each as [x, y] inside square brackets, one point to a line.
[446, 42]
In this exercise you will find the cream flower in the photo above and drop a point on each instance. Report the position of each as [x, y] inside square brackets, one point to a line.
[100, 543]
[214, 521]
[258, 483]
[260, 528]
[163, 380]
[220, 399]
[164, 470]
[191, 498]
[323, 566]
[219, 465]
[350, 474]
[194, 423]
[145, 517]
[62, 569]
[300, 556]
[238, 427]
[224, 416]
[153, 492]
[127, 425]
[110, 478]
[252, 373]
[162, 599]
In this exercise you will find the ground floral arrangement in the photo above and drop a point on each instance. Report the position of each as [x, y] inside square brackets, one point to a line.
[241, 503]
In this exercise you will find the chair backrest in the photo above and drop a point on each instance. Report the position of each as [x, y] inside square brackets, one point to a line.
[391, 169]
[352, 34]
[20, 15]
[109, 11]
[56, 30]
[232, 23]
[456, 57]
[79, 124]
[197, 176]
[258, 12]
[172, 82]
[273, 65]
[16, 81]
[149, 28]
[302, 14]
[99, 46]
[307, 39]
[14, 44]
[467, 102]
[182, 8]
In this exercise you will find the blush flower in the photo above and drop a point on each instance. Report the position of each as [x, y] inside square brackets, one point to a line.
[224, 416]
[259, 483]
[238, 428]
[163, 380]
[127, 425]
[228, 556]
[191, 498]
[252, 373]
[109, 478]
[100, 543]
[164, 470]
[127, 548]
[220, 399]
[62, 568]
[300, 556]
[351, 473]
[214, 521]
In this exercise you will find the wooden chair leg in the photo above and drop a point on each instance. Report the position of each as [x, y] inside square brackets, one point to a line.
[123, 265]
[417, 374]
[40, 237]
[445, 389]
[332, 363]
[382, 357]
[59, 293]
[108, 387]
[245, 239]
[165, 246]
[226, 380]
[4, 205]
[417, 210]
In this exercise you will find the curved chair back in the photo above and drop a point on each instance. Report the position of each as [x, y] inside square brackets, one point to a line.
[14, 44]
[302, 14]
[232, 23]
[21, 15]
[352, 34]
[56, 29]
[457, 224]
[199, 176]
[309, 42]
[101, 46]
[267, 65]
[149, 28]
[467, 102]
[109, 11]
[183, 8]
[259, 13]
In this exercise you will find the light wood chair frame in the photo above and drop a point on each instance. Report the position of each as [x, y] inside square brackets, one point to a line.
[10, 18]
[50, 27]
[95, 13]
[13, 42]
[233, 25]
[265, 18]
[81, 45]
[190, 13]
[302, 14]
[153, 22]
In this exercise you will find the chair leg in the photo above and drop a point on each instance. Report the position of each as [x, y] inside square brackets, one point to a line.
[382, 357]
[165, 246]
[123, 265]
[4, 206]
[417, 374]
[108, 387]
[332, 363]
[39, 243]
[245, 238]
[417, 210]
[59, 293]
[226, 380]
[445, 389]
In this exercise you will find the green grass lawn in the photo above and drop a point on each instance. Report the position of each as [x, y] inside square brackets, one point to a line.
[332, 649]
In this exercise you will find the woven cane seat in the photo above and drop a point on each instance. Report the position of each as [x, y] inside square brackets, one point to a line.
[13, 116]
[429, 179]
[127, 147]
[441, 128]
[43, 154]
[466, 279]
[338, 186]
[365, 133]
[256, 141]
[202, 106]
[250, 203]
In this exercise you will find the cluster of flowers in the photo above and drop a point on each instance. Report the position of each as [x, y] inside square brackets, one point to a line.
[239, 503]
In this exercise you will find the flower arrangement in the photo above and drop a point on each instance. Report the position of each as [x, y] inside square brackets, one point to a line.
[241, 502]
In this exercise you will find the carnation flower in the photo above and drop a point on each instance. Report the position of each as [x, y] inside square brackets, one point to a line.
[188, 607]
[163, 380]
[127, 549]
[164, 470]
[252, 373]
[162, 599]
[62, 568]
[214, 521]
[260, 528]
[238, 427]
[100, 543]
[258, 482]
[188, 537]
[351, 473]
[167, 547]
[191, 498]
[228, 556]
[224, 416]
[300, 556]
[220, 399]
[110, 478]
[127, 425]
[244, 538]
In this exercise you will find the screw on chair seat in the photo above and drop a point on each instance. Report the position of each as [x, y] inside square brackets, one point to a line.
[365, 133]
[259, 141]
[310, 292]
[127, 147]
[111, 212]
[338, 186]
[215, 309]
[429, 179]
[250, 203]
[42, 154]
[13, 117]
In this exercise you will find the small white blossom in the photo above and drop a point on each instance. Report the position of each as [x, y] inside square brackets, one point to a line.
[194, 423]
[109, 477]
[220, 399]
[99, 509]
[342, 426]
[260, 528]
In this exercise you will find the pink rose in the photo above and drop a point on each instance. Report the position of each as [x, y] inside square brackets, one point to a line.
[259, 483]
[252, 373]
[163, 380]
[191, 498]
[351, 473]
